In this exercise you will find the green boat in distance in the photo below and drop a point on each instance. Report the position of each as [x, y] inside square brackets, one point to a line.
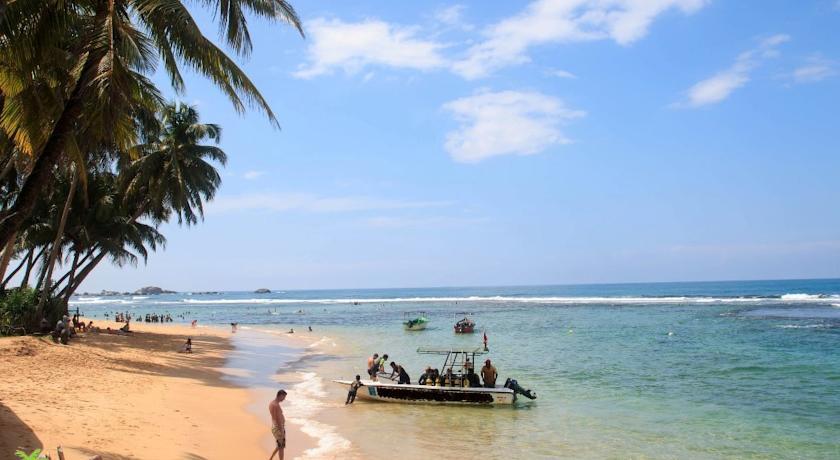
[415, 321]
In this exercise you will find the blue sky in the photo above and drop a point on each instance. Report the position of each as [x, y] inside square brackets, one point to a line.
[556, 141]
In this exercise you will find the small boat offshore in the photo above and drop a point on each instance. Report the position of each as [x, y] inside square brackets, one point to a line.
[415, 321]
[465, 325]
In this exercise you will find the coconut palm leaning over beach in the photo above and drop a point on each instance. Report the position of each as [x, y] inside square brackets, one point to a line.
[79, 69]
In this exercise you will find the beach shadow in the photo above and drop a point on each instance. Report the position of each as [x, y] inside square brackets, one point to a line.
[201, 365]
[15, 434]
[192, 456]
[105, 455]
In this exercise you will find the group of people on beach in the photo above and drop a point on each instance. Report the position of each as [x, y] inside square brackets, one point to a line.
[122, 317]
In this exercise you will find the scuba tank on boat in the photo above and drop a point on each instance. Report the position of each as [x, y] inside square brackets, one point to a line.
[514, 385]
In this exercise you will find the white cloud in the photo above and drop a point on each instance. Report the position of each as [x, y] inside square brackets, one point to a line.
[307, 202]
[351, 47]
[564, 21]
[251, 175]
[452, 16]
[562, 74]
[816, 69]
[719, 86]
[506, 123]
[390, 222]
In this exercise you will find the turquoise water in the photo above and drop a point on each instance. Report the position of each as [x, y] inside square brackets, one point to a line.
[671, 370]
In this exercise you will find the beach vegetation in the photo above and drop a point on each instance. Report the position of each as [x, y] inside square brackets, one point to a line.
[34, 455]
[170, 174]
[83, 126]
[92, 158]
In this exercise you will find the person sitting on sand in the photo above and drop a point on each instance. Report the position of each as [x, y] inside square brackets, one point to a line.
[291, 331]
[354, 387]
[125, 328]
[187, 348]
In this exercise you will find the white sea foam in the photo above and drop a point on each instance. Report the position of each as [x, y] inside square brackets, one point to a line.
[803, 297]
[101, 301]
[787, 298]
[803, 326]
[308, 401]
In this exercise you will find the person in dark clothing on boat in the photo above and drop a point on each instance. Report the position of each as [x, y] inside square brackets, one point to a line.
[397, 370]
[426, 375]
[354, 387]
[472, 378]
[404, 378]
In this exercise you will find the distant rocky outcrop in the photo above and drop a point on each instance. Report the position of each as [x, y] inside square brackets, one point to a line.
[152, 290]
[262, 291]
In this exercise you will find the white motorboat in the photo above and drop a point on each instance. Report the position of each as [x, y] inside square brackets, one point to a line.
[453, 388]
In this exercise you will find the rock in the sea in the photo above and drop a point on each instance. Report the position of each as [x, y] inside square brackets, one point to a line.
[152, 290]
[262, 291]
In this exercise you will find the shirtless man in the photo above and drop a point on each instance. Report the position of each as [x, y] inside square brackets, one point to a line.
[278, 424]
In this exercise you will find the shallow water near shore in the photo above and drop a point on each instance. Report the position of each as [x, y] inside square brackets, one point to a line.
[687, 370]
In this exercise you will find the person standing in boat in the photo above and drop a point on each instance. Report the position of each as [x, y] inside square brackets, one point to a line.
[372, 361]
[489, 374]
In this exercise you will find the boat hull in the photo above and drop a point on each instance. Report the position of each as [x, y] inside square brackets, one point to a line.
[414, 327]
[426, 394]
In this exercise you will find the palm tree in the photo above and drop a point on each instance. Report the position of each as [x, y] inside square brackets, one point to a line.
[106, 229]
[172, 173]
[114, 45]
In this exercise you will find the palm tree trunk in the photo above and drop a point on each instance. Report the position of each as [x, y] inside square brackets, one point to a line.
[56, 247]
[14, 272]
[73, 267]
[70, 289]
[72, 273]
[42, 270]
[39, 178]
[7, 257]
[31, 263]
[8, 168]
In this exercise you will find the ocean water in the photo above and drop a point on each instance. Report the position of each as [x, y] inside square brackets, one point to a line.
[659, 370]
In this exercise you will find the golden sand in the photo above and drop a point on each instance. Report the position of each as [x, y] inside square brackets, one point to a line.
[131, 397]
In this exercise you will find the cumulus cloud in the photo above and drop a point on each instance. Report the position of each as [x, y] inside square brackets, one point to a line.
[719, 86]
[352, 47]
[564, 21]
[506, 123]
[308, 202]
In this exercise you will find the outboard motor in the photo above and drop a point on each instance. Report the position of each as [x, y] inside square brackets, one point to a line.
[514, 385]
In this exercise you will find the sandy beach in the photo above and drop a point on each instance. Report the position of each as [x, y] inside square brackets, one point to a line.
[133, 397]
